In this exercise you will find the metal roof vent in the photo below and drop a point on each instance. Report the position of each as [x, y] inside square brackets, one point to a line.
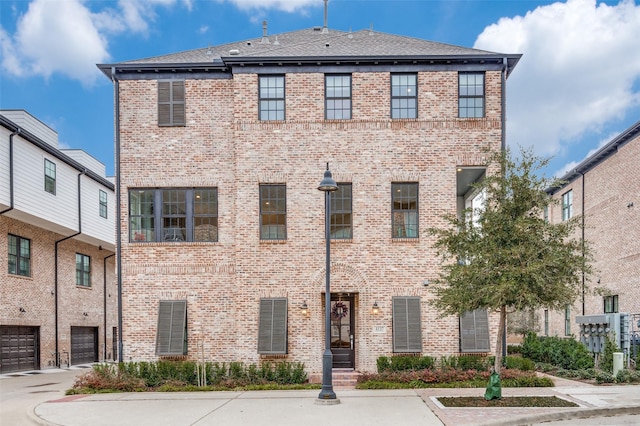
[276, 42]
[325, 28]
[265, 39]
[234, 52]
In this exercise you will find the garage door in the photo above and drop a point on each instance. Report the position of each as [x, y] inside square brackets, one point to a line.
[84, 345]
[19, 348]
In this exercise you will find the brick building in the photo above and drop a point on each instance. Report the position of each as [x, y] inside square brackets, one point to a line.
[221, 232]
[57, 230]
[605, 191]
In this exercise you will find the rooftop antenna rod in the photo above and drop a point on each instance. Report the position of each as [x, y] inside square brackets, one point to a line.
[325, 29]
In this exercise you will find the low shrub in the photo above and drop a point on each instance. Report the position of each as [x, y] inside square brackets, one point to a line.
[566, 353]
[513, 349]
[517, 362]
[466, 362]
[183, 375]
[404, 363]
[448, 377]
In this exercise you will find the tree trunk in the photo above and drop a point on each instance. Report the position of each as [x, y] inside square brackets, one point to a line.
[501, 328]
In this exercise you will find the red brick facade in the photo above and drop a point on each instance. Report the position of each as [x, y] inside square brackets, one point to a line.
[230, 149]
[36, 294]
[608, 195]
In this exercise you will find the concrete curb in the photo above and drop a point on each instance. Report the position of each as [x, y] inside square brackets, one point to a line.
[584, 413]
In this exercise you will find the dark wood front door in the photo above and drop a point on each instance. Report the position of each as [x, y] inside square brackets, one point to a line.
[343, 330]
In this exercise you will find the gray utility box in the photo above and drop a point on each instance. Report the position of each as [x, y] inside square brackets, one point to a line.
[595, 328]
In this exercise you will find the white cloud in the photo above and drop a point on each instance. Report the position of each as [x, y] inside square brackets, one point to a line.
[571, 165]
[284, 5]
[579, 64]
[65, 37]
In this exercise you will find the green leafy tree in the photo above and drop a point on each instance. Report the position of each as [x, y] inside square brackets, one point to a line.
[509, 258]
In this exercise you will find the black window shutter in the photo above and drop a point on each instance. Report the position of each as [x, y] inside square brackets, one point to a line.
[272, 329]
[407, 329]
[474, 331]
[171, 103]
[171, 337]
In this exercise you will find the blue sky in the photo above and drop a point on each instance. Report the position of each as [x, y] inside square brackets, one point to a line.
[576, 87]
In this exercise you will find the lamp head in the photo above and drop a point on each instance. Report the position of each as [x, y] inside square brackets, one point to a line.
[328, 184]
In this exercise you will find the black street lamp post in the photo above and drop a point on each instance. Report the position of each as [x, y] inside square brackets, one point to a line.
[327, 185]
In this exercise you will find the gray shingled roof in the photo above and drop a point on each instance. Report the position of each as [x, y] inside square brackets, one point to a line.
[313, 42]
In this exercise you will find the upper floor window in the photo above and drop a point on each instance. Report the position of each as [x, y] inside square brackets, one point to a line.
[567, 205]
[173, 214]
[19, 256]
[611, 304]
[50, 177]
[83, 270]
[470, 95]
[341, 207]
[404, 96]
[273, 212]
[337, 97]
[103, 203]
[271, 97]
[404, 210]
[171, 103]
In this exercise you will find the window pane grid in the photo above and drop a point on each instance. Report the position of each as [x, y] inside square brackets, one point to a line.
[83, 270]
[271, 102]
[338, 97]
[341, 202]
[404, 96]
[471, 95]
[19, 256]
[567, 205]
[141, 215]
[404, 198]
[174, 215]
[103, 204]
[205, 215]
[49, 177]
[273, 212]
[183, 215]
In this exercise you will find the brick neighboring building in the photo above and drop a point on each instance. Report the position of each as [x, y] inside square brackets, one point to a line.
[221, 151]
[58, 289]
[605, 190]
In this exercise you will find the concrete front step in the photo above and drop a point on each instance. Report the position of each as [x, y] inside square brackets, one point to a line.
[340, 378]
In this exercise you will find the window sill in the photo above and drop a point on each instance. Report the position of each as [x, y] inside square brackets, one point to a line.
[84, 287]
[341, 240]
[273, 241]
[406, 240]
[273, 356]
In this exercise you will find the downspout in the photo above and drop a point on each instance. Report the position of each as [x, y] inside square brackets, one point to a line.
[503, 147]
[118, 214]
[583, 242]
[16, 132]
[57, 352]
[503, 101]
[104, 306]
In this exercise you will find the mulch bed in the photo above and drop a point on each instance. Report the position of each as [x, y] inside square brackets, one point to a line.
[511, 401]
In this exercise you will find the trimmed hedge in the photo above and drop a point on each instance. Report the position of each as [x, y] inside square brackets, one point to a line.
[568, 354]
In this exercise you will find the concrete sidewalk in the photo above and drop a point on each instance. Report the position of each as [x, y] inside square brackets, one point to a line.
[357, 407]
[38, 398]
[283, 408]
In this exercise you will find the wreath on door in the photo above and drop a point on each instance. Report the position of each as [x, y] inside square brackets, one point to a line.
[339, 310]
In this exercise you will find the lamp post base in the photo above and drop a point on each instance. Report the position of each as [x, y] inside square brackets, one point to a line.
[327, 393]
